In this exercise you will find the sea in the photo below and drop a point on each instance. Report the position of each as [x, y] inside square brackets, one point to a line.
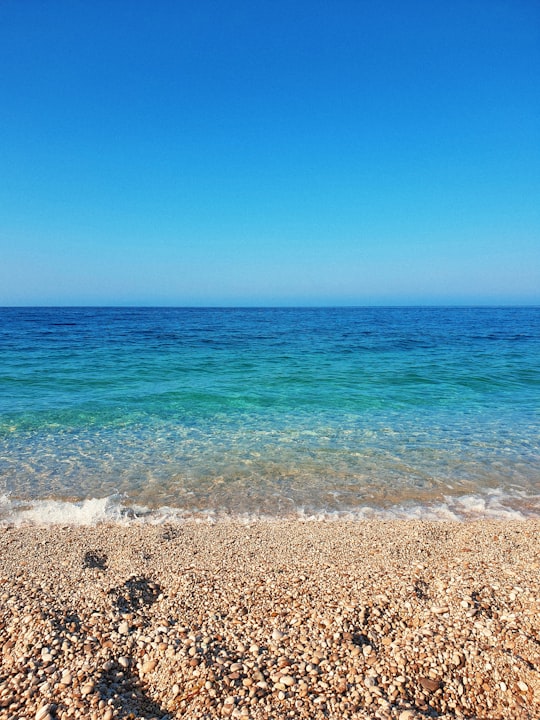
[216, 414]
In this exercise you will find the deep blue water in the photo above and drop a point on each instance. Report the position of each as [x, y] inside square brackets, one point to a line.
[265, 412]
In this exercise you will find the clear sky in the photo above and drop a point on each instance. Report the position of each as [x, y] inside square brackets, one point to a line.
[269, 152]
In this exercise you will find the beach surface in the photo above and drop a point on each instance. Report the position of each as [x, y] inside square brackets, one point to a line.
[283, 619]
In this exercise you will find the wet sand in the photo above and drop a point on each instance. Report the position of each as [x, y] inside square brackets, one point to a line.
[374, 619]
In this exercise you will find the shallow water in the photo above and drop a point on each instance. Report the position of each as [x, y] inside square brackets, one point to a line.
[163, 413]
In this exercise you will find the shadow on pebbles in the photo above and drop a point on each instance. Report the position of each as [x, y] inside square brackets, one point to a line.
[386, 621]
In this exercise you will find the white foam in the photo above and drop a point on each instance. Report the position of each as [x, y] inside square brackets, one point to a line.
[61, 512]
[493, 504]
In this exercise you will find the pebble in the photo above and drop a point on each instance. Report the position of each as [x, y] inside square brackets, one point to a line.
[440, 610]
[66, 678]
[43, 712]
[373, 633]
[429, 684]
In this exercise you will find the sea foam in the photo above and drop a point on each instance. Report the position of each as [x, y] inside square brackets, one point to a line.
[493, 505]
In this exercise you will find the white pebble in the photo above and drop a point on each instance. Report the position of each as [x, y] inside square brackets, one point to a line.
[42, 712]
[407, 715]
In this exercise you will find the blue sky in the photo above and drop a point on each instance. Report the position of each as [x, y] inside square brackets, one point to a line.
[269, 153]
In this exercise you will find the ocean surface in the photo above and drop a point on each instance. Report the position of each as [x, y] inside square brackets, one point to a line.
[153, 414]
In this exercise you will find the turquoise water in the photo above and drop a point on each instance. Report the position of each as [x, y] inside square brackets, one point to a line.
[346, 412]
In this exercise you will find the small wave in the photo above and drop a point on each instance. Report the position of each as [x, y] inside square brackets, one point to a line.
[491, 505]
[62, 512]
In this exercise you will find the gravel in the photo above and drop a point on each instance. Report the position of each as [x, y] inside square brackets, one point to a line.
[284, 619]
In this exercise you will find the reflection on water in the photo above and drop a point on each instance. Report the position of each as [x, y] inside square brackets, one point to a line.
[272, 412]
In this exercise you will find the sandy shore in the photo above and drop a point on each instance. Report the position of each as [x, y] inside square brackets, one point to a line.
[272, 620]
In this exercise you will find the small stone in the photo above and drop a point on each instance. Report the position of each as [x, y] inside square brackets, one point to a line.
[148, 666]
[440, 610]
[108, 714]
[123, 628]
[288, 680]
[277, 635]
[430, 684]
[407, 715]
[123, 661]
[43, 712]
[523, 686]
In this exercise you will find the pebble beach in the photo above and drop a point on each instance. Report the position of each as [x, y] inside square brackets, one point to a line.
[282, 619]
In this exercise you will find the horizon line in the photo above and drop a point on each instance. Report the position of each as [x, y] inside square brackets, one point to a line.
[275, 307]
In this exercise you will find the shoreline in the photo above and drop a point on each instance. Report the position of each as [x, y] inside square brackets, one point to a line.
[389, 619]
[492, 504]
